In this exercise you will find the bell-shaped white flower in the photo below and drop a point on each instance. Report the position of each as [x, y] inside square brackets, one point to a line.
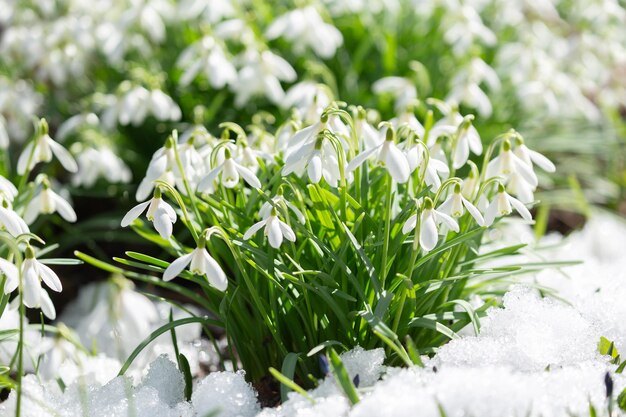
[310, 133]
[228, 172]
[159, 212]
[48, 202]
[433, 169]
[12, 275]
[261, 74]
[319, 158]
[7, 189]
[41, 149]
[456, 204]
[430, 221]
[503, 204]
[33, 273]
[200, 263]
[206, 56]
[388, 155]
[306, 28]
[309, 99]
[531, 157]
[275, 230]
[12, 222]
[266, 209]
[507, 163]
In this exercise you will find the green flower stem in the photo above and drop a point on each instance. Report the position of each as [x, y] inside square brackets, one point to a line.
[388, 201]
[190, 193]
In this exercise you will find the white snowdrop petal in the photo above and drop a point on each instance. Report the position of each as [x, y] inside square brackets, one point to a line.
[255, 228]
[360, 158]
[520, 207]
[214, 273]
[64, 208]
[11, 221]
[176, 267]
[447, 220]
[12, 275]
[287, 231]
[49, 277]
[397, 164]
[474, 212]
[47, 307]
[248, 176]
[274, 234]
[314, 168]
[22, 162]
[32, 287]
[206, 183]
[162, 223]
[492, 212]
[65, 158]
[410, 224]
[524, 170]
[32, 209]
[428, 233]
[541, 161]
[134, 213]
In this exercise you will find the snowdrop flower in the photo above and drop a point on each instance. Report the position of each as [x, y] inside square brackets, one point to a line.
[402, 88]
[94, 163]
[531, 157]
[228, 172]
[310, 133]
[367, 134]
[266, 209]
[7, 189]
[12, 222]
[306, 28]
[503, 204]
[160, 213]
[467, 137]
[48, 202]
[41, 150]
[275, 230]
[309, 98]
[319, 158]
[206, 56]
[387, 155]
[455, 205]
[34, 272]
[12, 275]
[430, 219]
[200, 263]
[507, 163]
[4, 135]
[137, 103]
[261, 74]
[432, 169]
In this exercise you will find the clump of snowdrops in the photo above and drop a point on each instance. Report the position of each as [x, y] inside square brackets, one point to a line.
[337, 231]
[30, 199]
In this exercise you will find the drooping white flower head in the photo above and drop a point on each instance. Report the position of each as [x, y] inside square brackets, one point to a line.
[48, 202]
[7, 189]
[389, 156]
[456, 204]
[207, 56]
[306, 28]
[96, 162]
[266, 209]
[33, 272]
[531, 157]
[200, 263]
[319, 158]
[41, 149]
[275, 230]
[507, 163]
[430, 220]
[432, 169]
[136, 103]
[503, 204]
[228, 172]
[467, 138]
[11, 221]
[261, 74]
[309, 99]
[159, 212]
[401, 88]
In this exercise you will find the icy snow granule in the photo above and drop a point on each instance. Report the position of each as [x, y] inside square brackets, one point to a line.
[367, 364]
[226, 393]
[166, 379]
[298, 406]
[529, 333]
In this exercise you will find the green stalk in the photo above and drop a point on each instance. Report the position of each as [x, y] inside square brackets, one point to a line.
[20, 357]
[388, 200]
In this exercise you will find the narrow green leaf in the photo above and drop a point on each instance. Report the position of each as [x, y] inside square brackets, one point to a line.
[342, 377]
[288, 369]
[291, 384]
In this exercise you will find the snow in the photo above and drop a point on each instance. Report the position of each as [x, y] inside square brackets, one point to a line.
[534, 356]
